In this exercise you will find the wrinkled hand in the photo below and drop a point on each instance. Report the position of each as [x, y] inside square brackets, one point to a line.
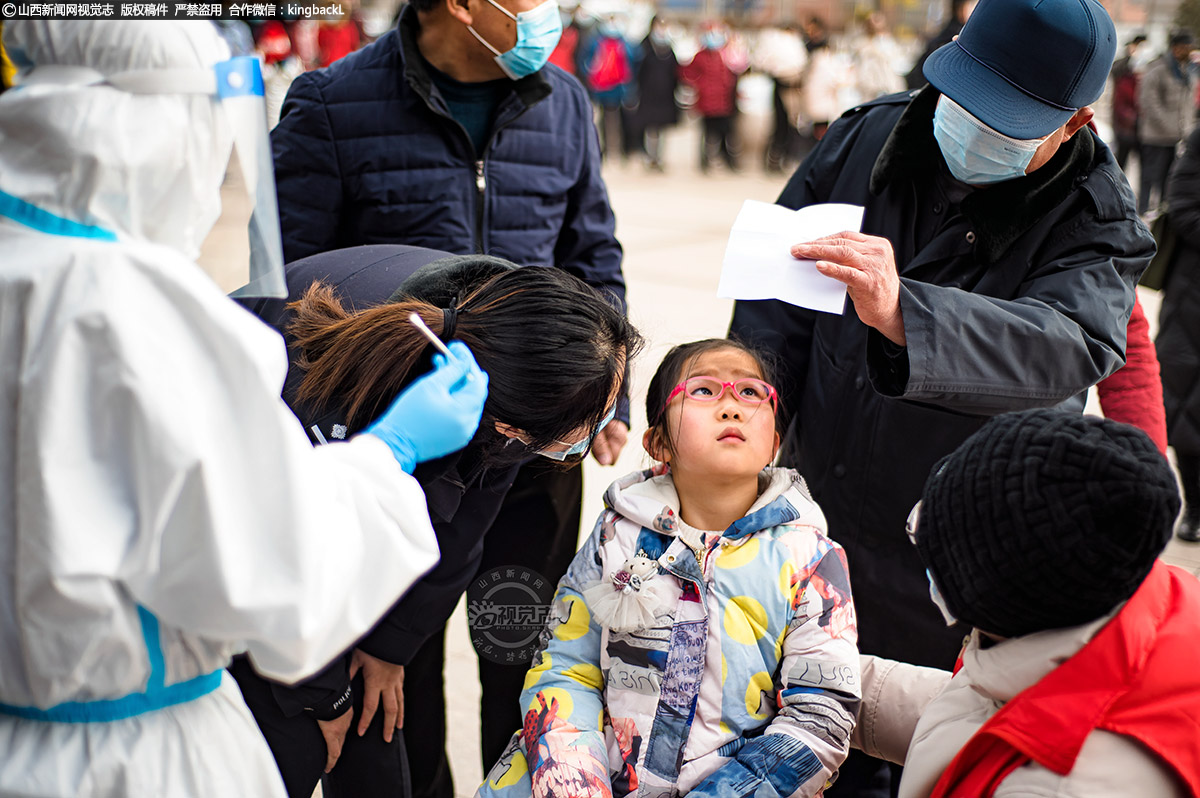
[867, 265]
[334, 732]
[608, 443]
[383, 683]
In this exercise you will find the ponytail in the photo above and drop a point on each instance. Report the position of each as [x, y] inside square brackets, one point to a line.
[359, 360]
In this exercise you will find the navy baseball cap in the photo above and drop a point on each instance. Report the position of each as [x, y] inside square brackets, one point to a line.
[1024, 67]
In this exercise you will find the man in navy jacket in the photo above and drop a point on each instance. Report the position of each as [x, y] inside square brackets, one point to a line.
[425, 138]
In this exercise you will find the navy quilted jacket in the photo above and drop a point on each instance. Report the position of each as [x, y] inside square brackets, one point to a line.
[366, 152]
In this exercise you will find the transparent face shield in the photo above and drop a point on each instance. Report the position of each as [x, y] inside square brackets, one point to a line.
[240, 90]
[244, 252]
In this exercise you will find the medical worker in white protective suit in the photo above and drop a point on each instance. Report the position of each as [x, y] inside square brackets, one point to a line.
[160, 508]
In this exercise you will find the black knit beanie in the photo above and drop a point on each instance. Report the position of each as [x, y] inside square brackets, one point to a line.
[1045, 519]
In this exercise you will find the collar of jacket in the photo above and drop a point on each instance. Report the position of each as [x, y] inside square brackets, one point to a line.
[649, 498]
[1001, 213]
[529, 90]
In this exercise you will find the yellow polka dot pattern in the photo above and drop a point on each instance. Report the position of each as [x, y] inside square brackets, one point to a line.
[565, 704]
[745, 620]
[786, 574]
[535, 673]
[516, 771]
[587, 675]
[578, 621]
[759, 683]
[737, 556]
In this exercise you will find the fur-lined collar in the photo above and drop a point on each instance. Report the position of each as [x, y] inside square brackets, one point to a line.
[1001, 213]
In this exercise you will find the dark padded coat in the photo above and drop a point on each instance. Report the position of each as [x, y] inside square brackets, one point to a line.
[1017, 297]
[1178, 340]
[366, 152]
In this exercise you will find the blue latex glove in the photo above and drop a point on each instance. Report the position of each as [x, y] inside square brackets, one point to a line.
[438, 413]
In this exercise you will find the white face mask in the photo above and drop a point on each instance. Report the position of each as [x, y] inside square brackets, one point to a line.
[975, 153]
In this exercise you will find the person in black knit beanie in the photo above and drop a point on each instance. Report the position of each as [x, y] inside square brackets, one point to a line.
[1045, 519]
[1043, 531]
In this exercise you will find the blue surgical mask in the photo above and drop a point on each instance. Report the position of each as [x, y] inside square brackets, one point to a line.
[976, 154]
[581, 446]
[712, 41]
[538, 32]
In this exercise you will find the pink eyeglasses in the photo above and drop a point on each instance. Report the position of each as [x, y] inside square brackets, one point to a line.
[709, 389]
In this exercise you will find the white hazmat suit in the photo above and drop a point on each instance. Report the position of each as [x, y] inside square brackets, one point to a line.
[160, 507]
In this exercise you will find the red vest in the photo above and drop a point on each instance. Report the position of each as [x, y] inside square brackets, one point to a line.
[1137, 677]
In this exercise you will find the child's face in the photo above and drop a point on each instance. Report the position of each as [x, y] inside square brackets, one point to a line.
[727, 437]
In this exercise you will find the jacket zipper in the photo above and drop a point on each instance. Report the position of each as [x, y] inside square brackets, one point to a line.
[480, 189]
[481, 182]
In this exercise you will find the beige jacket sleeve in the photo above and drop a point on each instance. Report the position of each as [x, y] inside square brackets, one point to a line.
[894, 694]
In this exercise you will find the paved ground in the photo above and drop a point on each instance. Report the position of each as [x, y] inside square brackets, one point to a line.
[673, 227]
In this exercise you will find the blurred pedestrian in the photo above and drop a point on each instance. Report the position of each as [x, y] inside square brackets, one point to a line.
[657, 80]
[780, 54]
[280, 66]
[875, 60]
[1166, 114]
[339, 37]
[1133, 394]
[716, 96]
[565, 55]
[1178, 340]
[1125, 77]
[824, 79]
[960, 11]
[609, 77]
[452, 131]
[236, 35]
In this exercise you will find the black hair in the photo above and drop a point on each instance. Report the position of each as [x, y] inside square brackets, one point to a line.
[423, 5]
[553, 348]
[676, 364]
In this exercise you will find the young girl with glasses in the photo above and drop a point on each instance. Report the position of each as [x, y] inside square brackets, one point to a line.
[703, 641]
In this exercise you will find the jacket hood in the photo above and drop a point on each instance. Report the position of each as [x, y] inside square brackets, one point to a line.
[649, 498]
[146, 167]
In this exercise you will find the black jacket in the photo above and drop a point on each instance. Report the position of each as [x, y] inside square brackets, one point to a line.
[463, 497]
[1017, 297]
[657, 80]
[1178, 341]
[366, 152]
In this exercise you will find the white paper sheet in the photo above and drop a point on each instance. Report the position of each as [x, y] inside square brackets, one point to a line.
[758, 260]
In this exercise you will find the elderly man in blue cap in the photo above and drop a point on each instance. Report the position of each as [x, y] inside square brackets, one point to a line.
[994, 272]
